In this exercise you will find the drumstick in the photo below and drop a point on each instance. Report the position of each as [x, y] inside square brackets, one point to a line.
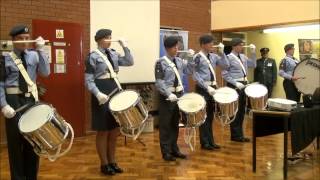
[22, 108]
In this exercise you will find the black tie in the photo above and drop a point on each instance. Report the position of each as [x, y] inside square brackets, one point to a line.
[22, 82]
[176, 78]
[109, 57]
[211, 75]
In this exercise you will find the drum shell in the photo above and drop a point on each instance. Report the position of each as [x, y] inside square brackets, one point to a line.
[258, 103]
[227, 109]
[195, 119]
[50, 135]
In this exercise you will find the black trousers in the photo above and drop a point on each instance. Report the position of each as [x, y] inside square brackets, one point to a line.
[168, 125]
[24, 163]
[206, 132]
[269, 87]
[291, 91]
[236, 125]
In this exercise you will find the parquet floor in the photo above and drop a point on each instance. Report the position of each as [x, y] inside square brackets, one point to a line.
[232, 162]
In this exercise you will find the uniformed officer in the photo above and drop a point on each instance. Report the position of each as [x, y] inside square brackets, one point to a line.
[206, 85]
[236, 77]
[102, 65]
[14, 93]
[287, 65]
[266, 71]
[169, 70]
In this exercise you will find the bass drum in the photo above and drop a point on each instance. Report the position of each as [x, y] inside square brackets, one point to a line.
[309, 72]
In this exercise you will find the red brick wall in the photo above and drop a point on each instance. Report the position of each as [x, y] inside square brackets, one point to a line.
[23, 11]
[190, 15]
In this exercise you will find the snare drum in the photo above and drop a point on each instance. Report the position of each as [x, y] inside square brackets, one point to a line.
[226, 100]
[308, 70]
[194, 107]
[45, 130]
[129, 111]
[258, 96]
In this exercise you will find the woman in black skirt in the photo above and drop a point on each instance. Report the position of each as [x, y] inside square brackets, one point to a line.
[99, 78]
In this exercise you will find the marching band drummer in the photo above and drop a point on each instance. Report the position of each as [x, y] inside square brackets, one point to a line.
[100, 79]
[15, 92]
[206, 85]
[236, 77]
[286, 69]
[168, 72]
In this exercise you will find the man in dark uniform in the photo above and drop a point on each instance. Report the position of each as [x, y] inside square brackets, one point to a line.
[287, 65]
[14, 93]
[169, 70]
[266, 71]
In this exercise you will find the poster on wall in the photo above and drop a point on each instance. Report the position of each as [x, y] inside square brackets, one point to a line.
[309, 48]
[182, 45]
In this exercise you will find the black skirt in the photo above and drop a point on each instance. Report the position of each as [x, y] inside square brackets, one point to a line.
[102, 119]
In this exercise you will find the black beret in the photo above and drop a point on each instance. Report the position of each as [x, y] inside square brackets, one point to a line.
[205, 39]
[236, 41]
[170, 41]
[264, 50]
[19, 29]
[287, 47]
[102, 33]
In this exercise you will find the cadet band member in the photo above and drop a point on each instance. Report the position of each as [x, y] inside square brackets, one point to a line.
[286, 69]
[266, 71]
[100, 81]
[206, 85]
[236, 77]
[14, 93]
[170, 87]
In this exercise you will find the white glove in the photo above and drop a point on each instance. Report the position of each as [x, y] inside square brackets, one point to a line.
[123, 42]
[221, 48]
[8, 111]
[252, 48]
[190, 52]
[240, 85]
[102, 98]
[211, 90]
[172, 97]
[40, 43]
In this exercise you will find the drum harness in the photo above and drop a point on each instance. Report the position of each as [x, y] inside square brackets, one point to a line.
[34, 91]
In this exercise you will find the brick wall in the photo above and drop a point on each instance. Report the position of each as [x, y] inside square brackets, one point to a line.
[23, 11]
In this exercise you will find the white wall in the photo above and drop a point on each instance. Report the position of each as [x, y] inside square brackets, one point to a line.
[138, 22]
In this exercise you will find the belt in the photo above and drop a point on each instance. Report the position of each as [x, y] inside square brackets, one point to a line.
[241, 79]
[210, 83]
[105, 76]
[176, 89]
[16, 90]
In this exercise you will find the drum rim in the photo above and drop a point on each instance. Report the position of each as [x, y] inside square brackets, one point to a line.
[294, 70]
[29, 109]
[195, 112]
[255, 85]
[225, 87]
[134, 104]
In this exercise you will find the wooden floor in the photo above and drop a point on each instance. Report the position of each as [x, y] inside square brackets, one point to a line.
[145, 163]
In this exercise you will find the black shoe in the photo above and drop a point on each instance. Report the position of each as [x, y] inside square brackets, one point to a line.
[168, 157]
[116, 168]
[207, 147]
[240, 139]
[107, 170]
[216, 146]
[179, 155]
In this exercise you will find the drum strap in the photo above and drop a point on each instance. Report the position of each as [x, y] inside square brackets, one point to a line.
[210, 66]
[241, 64]
[109, 65]
[30, 83]
[173, 66]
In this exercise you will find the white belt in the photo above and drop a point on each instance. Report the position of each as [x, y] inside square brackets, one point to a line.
[176, 89]
[210, 83]
[16, 90]
[105, 76]
[241, 79]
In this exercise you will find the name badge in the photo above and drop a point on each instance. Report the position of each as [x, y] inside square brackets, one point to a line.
[269, 64]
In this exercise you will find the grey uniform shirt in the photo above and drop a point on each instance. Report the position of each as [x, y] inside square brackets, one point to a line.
[234, 70]
[287, 66]
[165, 75]
[201, 72]
[96, 66]
[37, 61]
